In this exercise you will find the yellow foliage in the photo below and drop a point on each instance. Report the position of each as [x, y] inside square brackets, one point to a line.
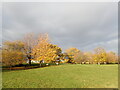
[44, 50]
[12, 57]
[12, 53]
[100, 55]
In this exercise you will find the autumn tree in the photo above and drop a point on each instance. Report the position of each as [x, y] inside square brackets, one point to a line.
[12, 57]
[80, 57]
[65, 57]
[112, 57]
[84, 57]
[72, 53]
[13, 45]
[89, 57]
[12, 53]
[100, 55]
[44, 50]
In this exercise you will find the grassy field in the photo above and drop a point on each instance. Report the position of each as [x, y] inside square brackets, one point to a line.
[63, 76]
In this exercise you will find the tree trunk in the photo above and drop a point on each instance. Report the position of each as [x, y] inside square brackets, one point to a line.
[29, 62]
[29, 58]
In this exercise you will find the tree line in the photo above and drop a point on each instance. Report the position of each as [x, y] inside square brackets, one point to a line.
[39, 48]
[98, 56]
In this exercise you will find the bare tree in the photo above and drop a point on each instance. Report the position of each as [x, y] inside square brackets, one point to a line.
[29, 42]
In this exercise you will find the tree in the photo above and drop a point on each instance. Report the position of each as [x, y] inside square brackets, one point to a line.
[65, 57]
[84, 57]
[29, 42]
[44, 50]
[11, 58]
[80, 57]
[112, 57]
[12, 53]
[89, 57]
[100, 55]
[72, 53]
[14, 45]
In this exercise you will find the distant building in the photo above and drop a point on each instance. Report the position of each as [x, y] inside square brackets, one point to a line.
[33, 61]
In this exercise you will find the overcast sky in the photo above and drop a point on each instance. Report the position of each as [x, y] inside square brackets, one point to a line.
[81, 25]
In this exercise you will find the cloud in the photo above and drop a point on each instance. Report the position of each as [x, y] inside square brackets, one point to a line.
[81, 25]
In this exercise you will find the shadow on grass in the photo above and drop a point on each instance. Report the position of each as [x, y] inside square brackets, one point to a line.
[26, 66]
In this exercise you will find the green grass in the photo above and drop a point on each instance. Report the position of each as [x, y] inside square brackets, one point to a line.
[63, 76]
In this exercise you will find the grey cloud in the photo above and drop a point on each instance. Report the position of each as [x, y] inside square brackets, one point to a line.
[81, 25]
